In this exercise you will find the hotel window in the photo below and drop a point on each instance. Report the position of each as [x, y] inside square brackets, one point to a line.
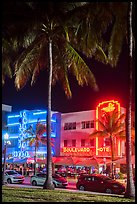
[87, 124]
[70, 126]
[13, 129]
[73, 143]
[92, 142]
[65, 143]
[82, 143]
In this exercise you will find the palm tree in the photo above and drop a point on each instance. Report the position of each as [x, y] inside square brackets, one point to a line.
[65, 59]
[130, 189]
[93, 23]
[112, 126]
[36, 138]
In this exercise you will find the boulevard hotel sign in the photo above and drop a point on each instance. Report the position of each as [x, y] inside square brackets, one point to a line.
[83, 151]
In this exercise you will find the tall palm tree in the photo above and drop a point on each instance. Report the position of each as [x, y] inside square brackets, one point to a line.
[130, 189]
[112, 126]
[65, 60]
[93, 23]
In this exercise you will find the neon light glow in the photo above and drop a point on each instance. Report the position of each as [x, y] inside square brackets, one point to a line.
[52, 134]
[20, 154]
[10, 124]
[104, 149]
[119, 148]
[97, 129]
[109, 108]
[13, 116]
[96, 145]
[76, 149]
[19, 122]
[41, 120]
[22, 133]
[12, 137]
[38, 113]
[106, 106]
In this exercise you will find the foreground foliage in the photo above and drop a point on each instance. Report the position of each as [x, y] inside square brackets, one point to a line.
[15, 194]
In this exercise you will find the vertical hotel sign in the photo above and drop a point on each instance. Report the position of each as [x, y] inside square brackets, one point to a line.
[105, 106]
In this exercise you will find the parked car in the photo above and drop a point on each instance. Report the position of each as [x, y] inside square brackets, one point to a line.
[12, 176]
[99, 183]
[39, 179]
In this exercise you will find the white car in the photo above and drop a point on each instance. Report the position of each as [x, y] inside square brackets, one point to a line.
[39, 180]
[12, 176]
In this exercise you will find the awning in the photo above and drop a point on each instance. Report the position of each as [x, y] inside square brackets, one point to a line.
[75, 161]
[123, 160]
[87, 162]
[70, 161]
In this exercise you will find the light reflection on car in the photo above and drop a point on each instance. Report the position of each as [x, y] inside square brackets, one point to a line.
[39, 179]
[12, 176]
[99, 183]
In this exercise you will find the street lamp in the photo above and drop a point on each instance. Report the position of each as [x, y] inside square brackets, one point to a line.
[6, 142]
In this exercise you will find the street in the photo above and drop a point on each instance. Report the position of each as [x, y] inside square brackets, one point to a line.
[71, 187]
[71, 183]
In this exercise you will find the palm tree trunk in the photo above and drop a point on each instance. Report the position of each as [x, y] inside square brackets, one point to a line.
[4, 164]
[48, 183]
[35, 161]
[130, 188]
[112, 156]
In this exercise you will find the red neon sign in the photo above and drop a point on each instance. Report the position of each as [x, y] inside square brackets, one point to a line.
[106, 106]
[109, 108]
[83, 151]
[104, 149]
[76, 149]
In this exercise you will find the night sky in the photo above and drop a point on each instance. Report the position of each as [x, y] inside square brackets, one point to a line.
[112, 84]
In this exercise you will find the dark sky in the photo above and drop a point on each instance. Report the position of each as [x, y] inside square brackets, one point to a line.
[112, 84]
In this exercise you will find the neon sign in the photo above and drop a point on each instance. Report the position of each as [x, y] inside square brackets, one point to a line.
[20, 154]
[109, 108]
[76, 149]
[22, 133]
[103, 149]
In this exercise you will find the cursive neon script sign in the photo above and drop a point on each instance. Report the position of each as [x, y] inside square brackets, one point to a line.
[109, 108]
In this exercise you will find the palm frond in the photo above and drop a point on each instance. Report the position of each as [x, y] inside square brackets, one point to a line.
[79, 68]
[98, 133]
[29, 132]
[28, 63]
[118, 33]
[60, 72]
[28, 139]
[40, 129]
[32, 141]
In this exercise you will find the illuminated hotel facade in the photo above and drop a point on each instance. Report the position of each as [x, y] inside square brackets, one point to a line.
[17, 123]
[76, 128]
[70, 131]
